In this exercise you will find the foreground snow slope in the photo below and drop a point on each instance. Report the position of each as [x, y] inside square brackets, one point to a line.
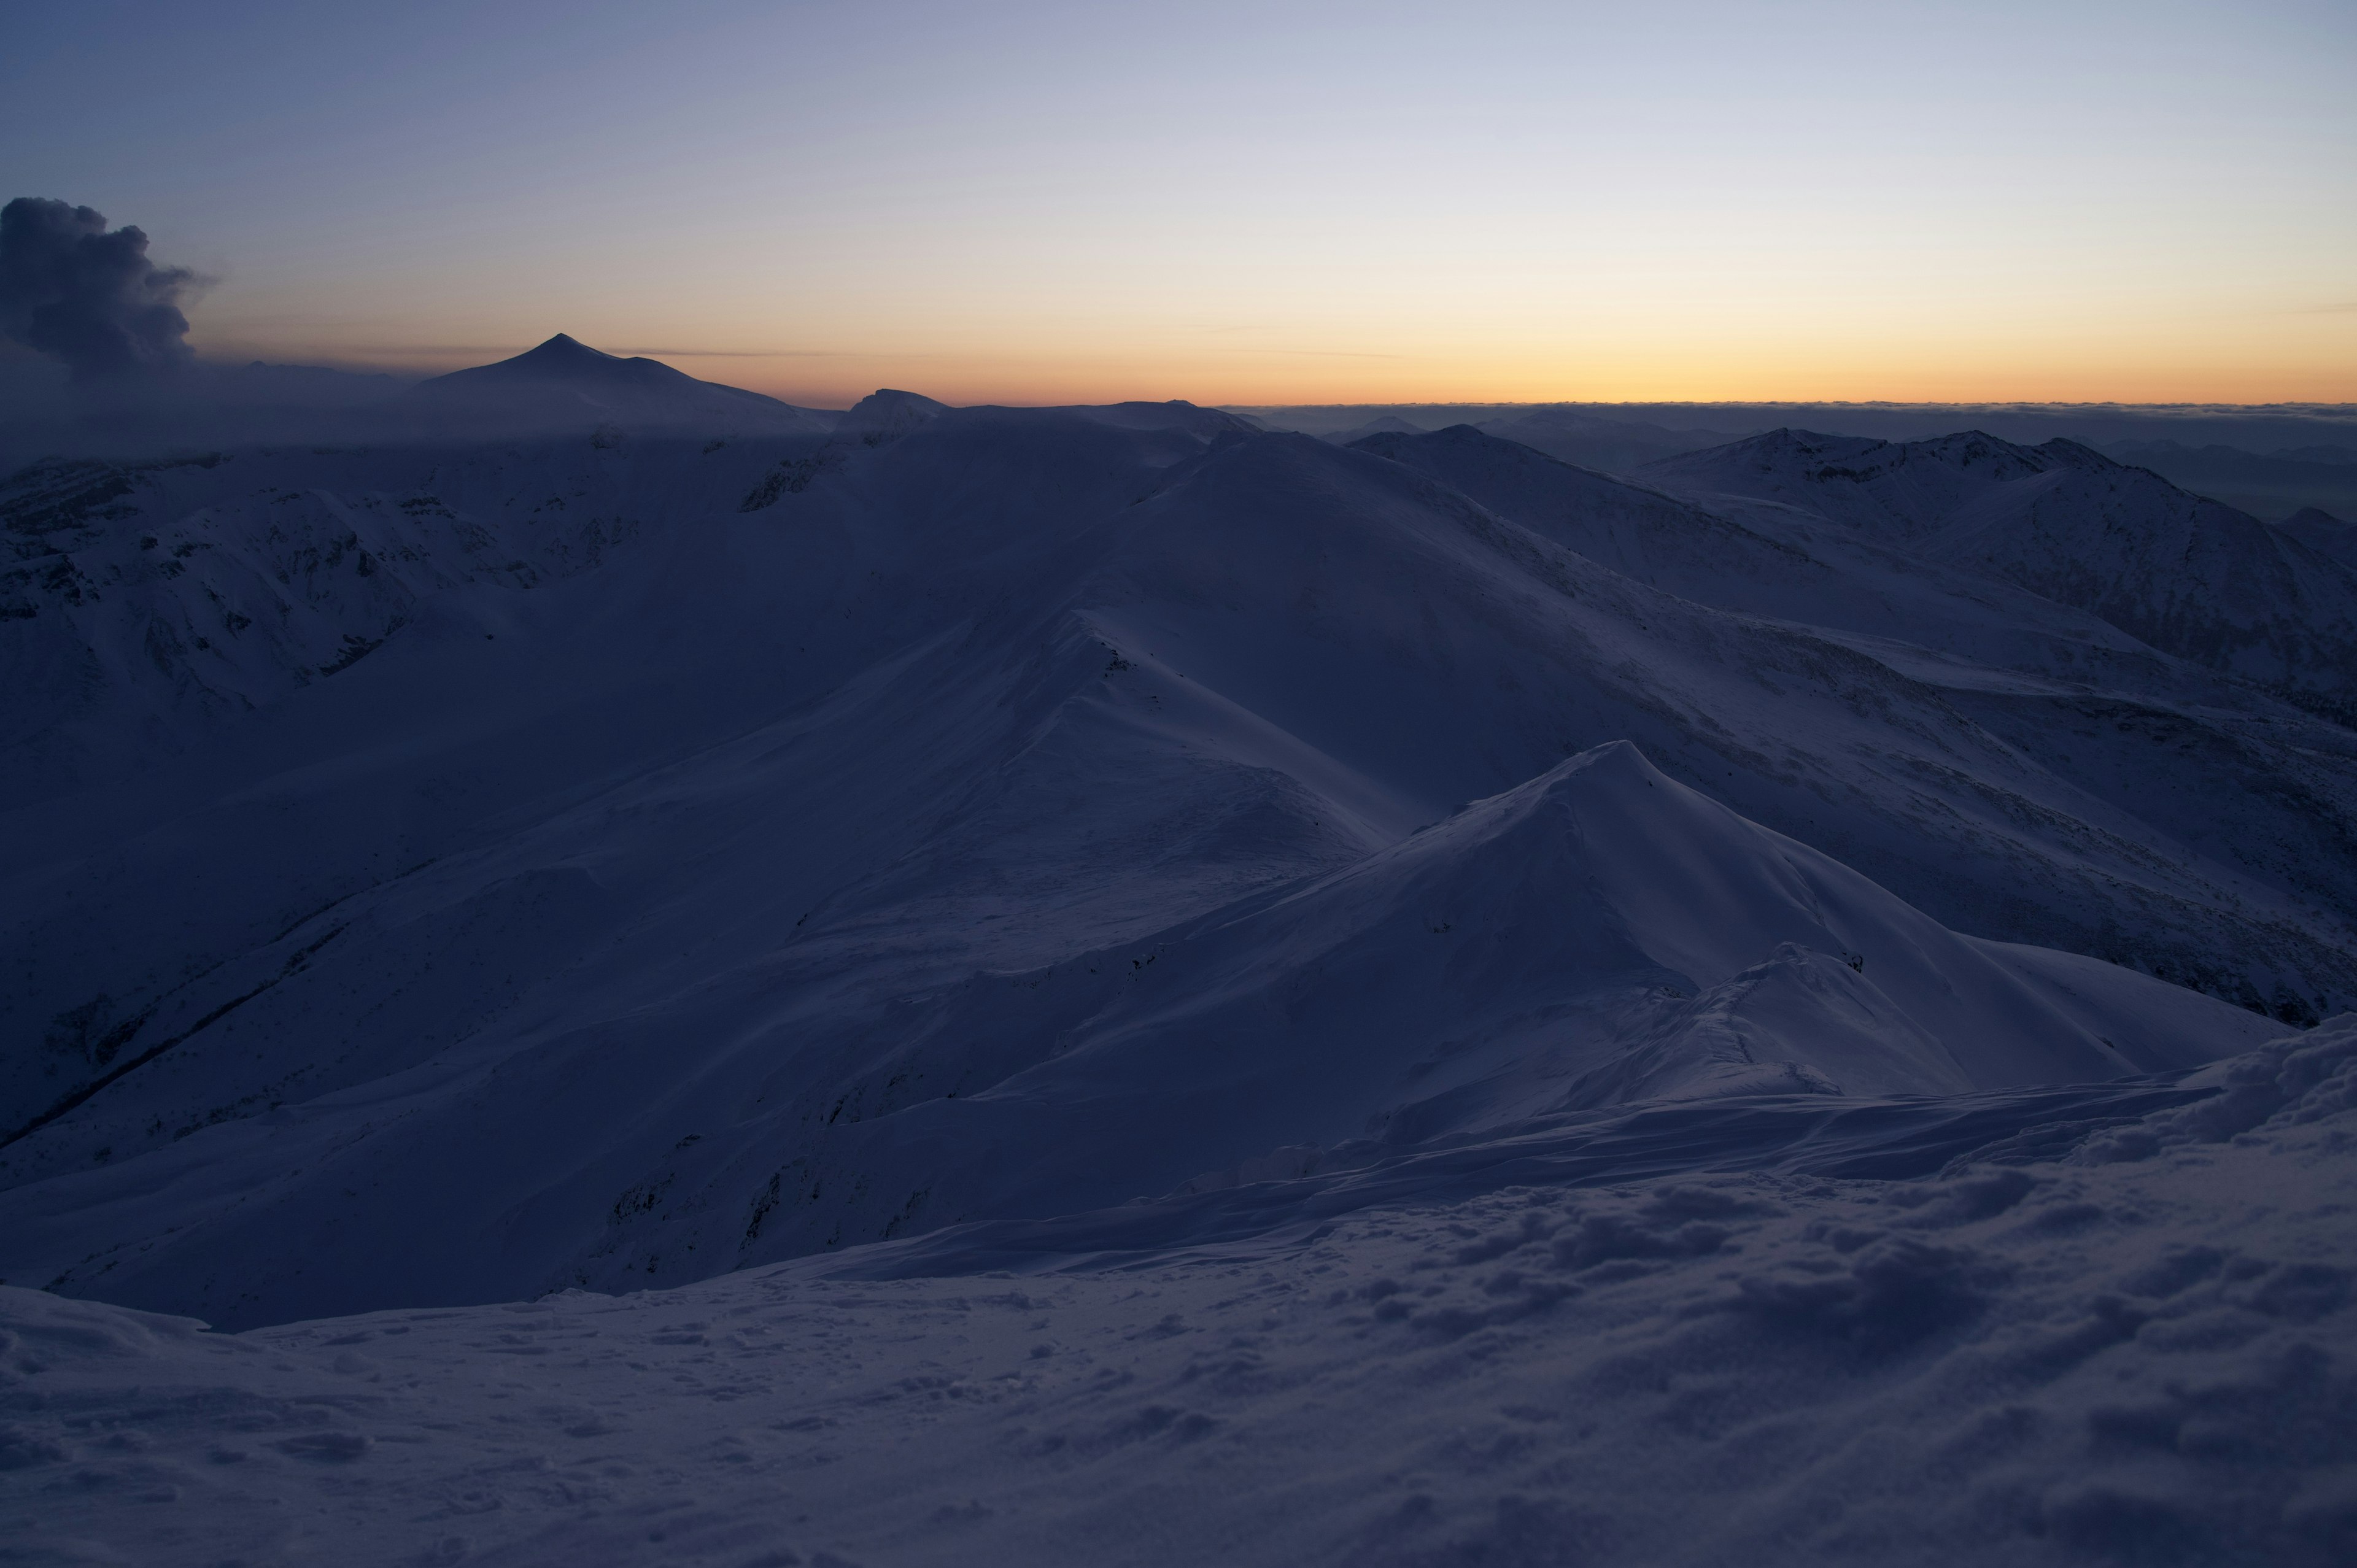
[2105, 1324]
[979, 813]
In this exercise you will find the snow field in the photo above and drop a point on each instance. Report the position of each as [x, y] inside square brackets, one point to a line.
[2140, 1351]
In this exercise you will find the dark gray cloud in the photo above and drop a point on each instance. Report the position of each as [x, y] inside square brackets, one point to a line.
[86, 295]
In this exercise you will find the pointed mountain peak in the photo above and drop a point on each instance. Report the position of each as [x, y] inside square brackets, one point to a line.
[563, 381]
[565, 349]
[1616, 769]
[564, 359]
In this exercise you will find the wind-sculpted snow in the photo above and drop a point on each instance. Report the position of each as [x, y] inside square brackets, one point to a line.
[2044, 1326]
[737, 893]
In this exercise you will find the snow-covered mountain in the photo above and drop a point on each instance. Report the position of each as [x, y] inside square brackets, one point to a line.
[971, 812]
[2184, 575]
[2109, 718]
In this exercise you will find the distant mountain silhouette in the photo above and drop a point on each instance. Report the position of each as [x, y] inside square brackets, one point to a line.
[564, 381]
[2326, 534]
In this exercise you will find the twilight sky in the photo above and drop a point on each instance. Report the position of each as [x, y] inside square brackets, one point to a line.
[1261, 202]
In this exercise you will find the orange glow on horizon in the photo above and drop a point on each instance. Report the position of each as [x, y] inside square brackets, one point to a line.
[2319, 366]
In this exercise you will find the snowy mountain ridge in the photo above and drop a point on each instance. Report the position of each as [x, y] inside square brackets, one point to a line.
[2190, 577]
[949, 790]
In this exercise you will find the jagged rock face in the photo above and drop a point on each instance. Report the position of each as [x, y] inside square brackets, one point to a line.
[1016, 809]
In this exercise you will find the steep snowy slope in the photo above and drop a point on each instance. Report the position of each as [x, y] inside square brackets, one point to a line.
[542, 944]
[564, 385]
[1613, 936]
[2088, 700]
[2186, 575]
[1597, 936]
[1441, 644]
[1788, 564]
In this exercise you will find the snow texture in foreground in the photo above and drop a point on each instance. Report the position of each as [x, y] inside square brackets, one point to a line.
[2128, 1342]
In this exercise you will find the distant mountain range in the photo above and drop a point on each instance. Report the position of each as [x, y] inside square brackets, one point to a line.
[2269, 462]
[2274, 485]
[2188, 575]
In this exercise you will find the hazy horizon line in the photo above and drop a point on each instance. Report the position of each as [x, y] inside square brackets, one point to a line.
[237, 360]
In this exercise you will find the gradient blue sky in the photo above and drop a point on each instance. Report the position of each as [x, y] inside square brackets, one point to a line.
[1260, 202]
